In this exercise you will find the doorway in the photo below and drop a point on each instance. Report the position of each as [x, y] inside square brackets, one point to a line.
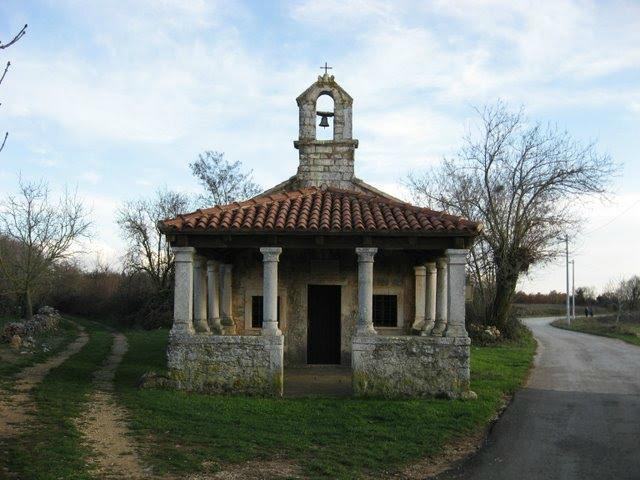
[323, 331]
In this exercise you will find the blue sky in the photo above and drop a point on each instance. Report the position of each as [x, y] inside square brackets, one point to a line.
[118, 97]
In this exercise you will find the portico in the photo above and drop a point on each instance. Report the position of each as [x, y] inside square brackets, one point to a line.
[322, 268]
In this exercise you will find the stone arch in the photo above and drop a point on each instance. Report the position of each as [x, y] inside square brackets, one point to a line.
[325, 103]
[342, 103]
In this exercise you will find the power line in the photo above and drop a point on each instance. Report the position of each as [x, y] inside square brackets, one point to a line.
[612, 220]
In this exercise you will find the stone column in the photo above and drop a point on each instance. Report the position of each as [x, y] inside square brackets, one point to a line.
[270, 256]
[421, 285]
[200, 295]
[183, 292]
[455, 298]
[213, 287]
[226, 305]
[430, 319]
[365, 290]
[441, 297]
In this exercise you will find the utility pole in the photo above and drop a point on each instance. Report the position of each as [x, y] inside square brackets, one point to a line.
[566, 241]
[573, 288]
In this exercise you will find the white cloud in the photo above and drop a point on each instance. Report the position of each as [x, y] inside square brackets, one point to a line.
[600, 248]
[340, 13]
[90, 177]
[167, 79]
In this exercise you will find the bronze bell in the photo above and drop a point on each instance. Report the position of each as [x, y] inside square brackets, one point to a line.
[324, 121]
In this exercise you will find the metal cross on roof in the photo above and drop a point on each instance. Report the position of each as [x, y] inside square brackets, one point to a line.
[326, 68]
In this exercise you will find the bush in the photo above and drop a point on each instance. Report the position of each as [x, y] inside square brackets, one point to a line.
[126, 299]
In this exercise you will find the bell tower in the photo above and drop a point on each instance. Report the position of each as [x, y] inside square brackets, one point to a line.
[327, 162]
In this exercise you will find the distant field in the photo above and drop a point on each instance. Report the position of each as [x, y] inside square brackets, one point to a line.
[538, 310]
[549, 310]
[629, 331]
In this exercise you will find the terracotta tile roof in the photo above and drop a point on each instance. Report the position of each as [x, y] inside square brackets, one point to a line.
[321, 210]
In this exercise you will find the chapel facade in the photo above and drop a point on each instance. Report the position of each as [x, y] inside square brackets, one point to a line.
[321, 269]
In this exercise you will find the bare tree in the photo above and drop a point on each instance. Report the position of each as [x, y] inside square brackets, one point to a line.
[628, 292]
[148, 250]
[519, 179]
[40, 233]
[224, 182]
[17, 37]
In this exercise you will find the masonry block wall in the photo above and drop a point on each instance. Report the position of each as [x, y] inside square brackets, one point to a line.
[410, 366]
[227, 363]
[326, 162]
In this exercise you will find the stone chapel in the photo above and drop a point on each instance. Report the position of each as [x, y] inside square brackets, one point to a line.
[321, 269]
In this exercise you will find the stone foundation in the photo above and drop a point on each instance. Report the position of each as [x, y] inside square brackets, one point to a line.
[243, 364]
[410, 366]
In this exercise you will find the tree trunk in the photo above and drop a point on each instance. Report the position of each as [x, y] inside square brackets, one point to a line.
[28, 307]
[501, 306]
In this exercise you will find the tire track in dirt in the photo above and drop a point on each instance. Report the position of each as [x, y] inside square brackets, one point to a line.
[16, 405]
[104, 427]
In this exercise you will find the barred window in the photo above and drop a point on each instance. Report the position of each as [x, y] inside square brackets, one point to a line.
[385, 310]
[257, 303]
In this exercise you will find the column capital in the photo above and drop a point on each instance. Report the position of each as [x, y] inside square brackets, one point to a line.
[270, 254]
[457, 255]
[442, 262]
[212, 265]
[366, 254]
[430, 267]
[420, 270]
[183, 254]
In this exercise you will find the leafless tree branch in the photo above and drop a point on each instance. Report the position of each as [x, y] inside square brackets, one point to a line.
[148, 250]
[18, 36]
[42, 233]
[4, 74]
[517, 178]
[223, 181]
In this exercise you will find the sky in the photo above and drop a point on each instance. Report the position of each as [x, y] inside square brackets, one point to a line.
[116, 98]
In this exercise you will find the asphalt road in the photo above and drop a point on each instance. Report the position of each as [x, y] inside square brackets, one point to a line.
[577, 418]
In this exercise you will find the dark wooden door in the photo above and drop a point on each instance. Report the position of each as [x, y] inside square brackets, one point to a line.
[323, 332]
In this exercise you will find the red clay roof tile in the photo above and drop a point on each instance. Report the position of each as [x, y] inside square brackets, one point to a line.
[320, 209]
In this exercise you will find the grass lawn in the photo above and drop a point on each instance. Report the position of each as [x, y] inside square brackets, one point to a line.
[604, 326]
[51, 447]
[548, 309]
[328, 437]
[539, 309]
[12, 361]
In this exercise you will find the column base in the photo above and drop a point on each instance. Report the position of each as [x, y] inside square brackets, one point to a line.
[418, 324]
[367, 330]
[456, 332]
[181, 328]
[428, 327]
[201, 325]
[270, 332]
[439, 328]
[215, 326]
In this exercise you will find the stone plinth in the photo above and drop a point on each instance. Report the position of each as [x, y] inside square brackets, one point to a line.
[244, 364]
[410, 366]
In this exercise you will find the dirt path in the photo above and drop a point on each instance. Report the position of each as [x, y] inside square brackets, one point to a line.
[16, 405]
[104, 425]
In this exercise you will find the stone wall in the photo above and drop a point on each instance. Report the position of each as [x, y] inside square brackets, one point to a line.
[410, 366]
[326, 162]
[227, 363]
[392, 274]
